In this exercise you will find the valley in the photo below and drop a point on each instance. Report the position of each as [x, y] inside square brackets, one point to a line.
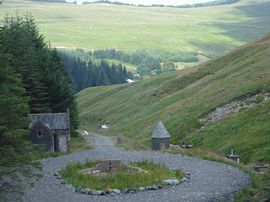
[132, 110]
[86, 84]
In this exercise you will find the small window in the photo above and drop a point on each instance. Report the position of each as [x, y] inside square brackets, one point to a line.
[39, 134]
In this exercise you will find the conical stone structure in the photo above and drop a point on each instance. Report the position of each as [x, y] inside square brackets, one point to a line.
[160, 137]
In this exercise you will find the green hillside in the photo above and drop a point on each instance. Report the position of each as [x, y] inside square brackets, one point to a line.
[181, 98]
[211, 30]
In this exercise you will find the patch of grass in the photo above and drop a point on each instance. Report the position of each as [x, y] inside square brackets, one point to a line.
[39, 151]
[76, 144]
[43, 155]
[80, 143]
[247, 132]
[260, 189]
[259, 99]
[154, 175]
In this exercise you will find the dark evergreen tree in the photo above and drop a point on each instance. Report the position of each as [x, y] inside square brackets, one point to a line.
[13, 128]
[86, 74]
[43, 75]
[103, 78]
[32, 80]
[113, 74]
[17, 39]
[59, 86]
[13, 104]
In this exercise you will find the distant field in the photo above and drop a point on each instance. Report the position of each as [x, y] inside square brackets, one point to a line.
[211, 30]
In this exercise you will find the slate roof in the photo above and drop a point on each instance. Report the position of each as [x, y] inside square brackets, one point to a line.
[160, 131]
[55, 121]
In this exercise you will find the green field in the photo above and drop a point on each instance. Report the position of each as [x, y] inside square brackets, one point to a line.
[181, 99]
[211, 30]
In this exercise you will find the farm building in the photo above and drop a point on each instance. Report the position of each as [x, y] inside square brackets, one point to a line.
[51, 130]
[160, 137]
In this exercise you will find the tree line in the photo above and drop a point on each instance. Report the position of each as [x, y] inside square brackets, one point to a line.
[32, 80]
[51, 1]
[88, 73]
[212, 3]
[147, 63]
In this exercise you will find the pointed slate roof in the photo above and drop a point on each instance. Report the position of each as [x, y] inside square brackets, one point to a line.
[55, 121]
[160, 131]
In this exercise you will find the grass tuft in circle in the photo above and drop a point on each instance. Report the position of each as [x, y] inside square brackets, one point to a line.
[154, 174]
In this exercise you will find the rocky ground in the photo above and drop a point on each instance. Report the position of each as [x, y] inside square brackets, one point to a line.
[207, 181]
[234, 107]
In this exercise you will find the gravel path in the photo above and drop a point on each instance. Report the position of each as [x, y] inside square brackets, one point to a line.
[209, 181]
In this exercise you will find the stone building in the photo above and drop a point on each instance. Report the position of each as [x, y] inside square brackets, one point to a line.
[51, 130]
[160, 137]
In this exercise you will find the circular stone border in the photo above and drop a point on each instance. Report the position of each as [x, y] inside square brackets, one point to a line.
[207, 181]
[164, 185]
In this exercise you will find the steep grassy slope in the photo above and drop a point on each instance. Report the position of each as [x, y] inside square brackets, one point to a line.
[211, 30]
[181, 98]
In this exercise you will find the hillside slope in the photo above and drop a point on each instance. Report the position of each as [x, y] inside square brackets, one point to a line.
[181, 98]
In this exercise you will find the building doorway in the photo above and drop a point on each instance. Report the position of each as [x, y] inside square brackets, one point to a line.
[56, 144]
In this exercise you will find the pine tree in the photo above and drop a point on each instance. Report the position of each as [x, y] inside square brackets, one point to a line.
[84, 74]
[43, 75]
[13, 127]
[13, 104]
[59, 86]
[16, 38]
[102, 78]
[113, 74]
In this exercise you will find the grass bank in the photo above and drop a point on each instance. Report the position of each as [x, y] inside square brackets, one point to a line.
[260, 189]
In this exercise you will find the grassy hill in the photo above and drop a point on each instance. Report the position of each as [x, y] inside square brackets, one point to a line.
[181, 98]
[211, 30]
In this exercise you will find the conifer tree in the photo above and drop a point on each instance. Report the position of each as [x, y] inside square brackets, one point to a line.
[18, 39]
[13, 104]
[102, 78]
[13, 126]
[43, 75]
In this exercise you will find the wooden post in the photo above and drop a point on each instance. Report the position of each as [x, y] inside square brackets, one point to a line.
[110, 166]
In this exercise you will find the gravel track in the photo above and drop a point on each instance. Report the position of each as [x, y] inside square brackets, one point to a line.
[209, 181]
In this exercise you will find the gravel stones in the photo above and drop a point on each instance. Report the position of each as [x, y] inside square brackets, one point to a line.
[116, 191]
[97, 192]
[166, 184]
[208, 181]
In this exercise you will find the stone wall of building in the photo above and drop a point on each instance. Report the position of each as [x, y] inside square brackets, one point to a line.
[160, 143]
[41, 134]
[63, 143]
